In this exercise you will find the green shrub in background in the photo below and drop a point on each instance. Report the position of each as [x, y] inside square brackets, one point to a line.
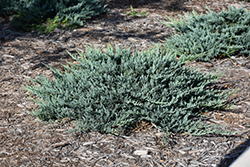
[30, 13]
[10, 7]
[216, 34]
[112, 91]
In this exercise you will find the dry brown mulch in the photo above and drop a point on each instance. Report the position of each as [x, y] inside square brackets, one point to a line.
[26, 141]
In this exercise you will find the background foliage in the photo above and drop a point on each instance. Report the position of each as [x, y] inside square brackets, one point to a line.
[30, 13]
[214, 34]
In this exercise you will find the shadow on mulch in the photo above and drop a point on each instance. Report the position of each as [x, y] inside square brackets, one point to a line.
[234, 154]
[175, 5]
[169, 5]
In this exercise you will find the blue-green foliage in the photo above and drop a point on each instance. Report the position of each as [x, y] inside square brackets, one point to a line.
[82, 9]
[215, 34]
[32, 12]
[114, 90]
[9, 7]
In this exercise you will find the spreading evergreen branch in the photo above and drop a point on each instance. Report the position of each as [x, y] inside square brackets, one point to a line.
[225, 33]
[112, 91]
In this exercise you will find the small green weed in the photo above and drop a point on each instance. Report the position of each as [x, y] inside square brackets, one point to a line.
[52, 24]
[133, 13]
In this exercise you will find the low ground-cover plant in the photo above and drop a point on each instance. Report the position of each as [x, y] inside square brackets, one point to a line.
[28, 14]
[215, 34]
[112, 91]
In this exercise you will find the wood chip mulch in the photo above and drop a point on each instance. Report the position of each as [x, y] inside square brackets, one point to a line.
[26, 141]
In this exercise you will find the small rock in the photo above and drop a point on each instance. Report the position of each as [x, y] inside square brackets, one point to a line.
[208, 64]
[248, 103]
[8, 56]
[141, 152]
[75, 159]
[60, 144]
[89, 143]
[71, 45]
[146, 156]
[95, 153]
[20, 105]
